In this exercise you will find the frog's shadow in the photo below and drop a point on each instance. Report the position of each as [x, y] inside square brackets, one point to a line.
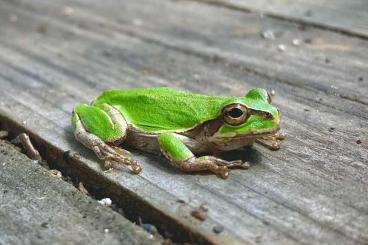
[246, 154]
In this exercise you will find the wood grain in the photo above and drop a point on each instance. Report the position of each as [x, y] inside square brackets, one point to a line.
[311, 191]
[348, 17]
[45, 209]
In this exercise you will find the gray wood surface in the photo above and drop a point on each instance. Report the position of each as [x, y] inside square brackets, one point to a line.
[38, 208]
[313, 190]
[349, 17]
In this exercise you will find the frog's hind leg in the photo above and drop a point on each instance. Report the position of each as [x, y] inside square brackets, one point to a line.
[181, 157]
[99, 128]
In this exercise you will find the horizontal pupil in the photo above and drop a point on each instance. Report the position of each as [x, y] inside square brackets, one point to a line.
[235, 113]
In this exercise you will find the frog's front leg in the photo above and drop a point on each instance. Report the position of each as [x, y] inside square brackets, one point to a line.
[274, 139]
[181, 157]
[99, 128]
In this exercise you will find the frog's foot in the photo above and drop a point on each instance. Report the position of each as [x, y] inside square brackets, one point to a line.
[274, 139]
[112, 155]
[216, 165]
[228, 164]
[220, 166]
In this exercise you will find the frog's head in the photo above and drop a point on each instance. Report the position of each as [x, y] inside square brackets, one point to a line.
[244, 119]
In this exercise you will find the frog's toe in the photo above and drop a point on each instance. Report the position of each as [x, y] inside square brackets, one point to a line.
[122, 152]
[119, 159]
[275, 145]
[245, 165]
[238, 163]
[222, 171]
[235, 163]
[108, 166]
[113, 157]
[136, 168]
[230, 164]
[272, 141]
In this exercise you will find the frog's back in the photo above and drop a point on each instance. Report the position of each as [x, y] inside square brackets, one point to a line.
[162, 109]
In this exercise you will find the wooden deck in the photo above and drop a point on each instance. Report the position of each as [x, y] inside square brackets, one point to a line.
[54, 54]
[39, 208]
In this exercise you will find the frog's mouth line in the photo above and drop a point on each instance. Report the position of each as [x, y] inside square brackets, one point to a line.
[254, 134]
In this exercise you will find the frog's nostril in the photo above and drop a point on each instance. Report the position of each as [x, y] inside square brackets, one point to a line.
[268, 115]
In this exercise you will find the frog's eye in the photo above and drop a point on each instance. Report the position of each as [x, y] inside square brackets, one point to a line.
[235, 114]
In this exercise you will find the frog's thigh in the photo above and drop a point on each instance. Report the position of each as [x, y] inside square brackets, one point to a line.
[93, 126]
[181, 157]
[103, 121]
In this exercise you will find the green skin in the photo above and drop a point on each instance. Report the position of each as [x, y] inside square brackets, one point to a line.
[176, 123]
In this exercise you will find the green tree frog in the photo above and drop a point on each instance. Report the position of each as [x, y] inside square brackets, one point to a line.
[183, 126]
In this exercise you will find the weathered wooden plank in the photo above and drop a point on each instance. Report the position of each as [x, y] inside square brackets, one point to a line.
[348, 17]
[37, 208]
[332, 63]
[145, 184]
[281, 195]
[242, 45]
